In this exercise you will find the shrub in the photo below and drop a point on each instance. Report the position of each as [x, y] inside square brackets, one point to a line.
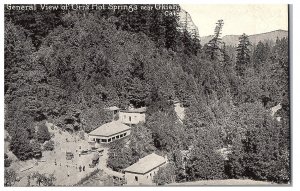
[44, 179]
[49, 145]
[36, 149]
[10, 177]
[81, 135]
[165, 175]
[43, 134]
[7, 161]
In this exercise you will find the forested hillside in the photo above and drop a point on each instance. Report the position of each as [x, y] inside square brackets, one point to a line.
[66, 66]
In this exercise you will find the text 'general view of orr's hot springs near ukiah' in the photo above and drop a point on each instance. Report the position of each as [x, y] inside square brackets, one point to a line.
[146, 95]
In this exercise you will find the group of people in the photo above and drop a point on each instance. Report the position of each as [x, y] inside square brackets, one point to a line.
[81, 168]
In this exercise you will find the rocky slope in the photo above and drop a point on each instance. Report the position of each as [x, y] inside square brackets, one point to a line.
[186, 21]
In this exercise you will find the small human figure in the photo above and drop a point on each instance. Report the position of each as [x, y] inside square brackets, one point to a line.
[80, 168]
[68, 173]
[55, 162]
[83, 168]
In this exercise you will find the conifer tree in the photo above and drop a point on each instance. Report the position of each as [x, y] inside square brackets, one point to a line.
[213, 46]
[260, 55]
[243, 55]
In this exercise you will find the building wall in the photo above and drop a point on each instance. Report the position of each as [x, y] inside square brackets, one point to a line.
[131, 118]
[143, 179]
[109, 139]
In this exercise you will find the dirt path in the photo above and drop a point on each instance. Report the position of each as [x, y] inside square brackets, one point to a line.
[107, 170]
[67, 172]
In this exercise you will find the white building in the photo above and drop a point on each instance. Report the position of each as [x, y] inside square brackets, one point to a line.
[133, 116]
[142, 172]
[109, 132]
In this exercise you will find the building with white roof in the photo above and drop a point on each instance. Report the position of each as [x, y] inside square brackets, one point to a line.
[109, 132]
[133, 116]
[142, 172]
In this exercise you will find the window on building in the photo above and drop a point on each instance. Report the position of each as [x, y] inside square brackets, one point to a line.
[129, 118]
[121, 135]
[124, 134]
[109, 140]
[136, 178]
[117, 136]
[104, 140]
[150, 174]
[113, 138]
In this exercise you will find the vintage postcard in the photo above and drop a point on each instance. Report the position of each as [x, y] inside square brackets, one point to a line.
[146, 95]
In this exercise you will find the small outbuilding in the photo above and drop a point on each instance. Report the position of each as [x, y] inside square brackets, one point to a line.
[133, 116]
[142, 172]
[115, 112]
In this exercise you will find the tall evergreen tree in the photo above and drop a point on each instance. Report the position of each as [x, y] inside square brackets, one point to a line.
[243, 55]
[214, 45]
[260, 55]
[171, 33]
[205, 162]
[260, 147]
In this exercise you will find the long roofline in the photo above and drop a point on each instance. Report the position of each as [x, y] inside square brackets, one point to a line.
[146, 164]
[111, 134]
[147, 171]
[109, 129]
[128, 111]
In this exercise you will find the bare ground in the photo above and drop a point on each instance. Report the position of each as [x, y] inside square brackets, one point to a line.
[66, 171]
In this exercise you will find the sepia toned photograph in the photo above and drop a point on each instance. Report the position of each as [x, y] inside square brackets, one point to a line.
[99, 95]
